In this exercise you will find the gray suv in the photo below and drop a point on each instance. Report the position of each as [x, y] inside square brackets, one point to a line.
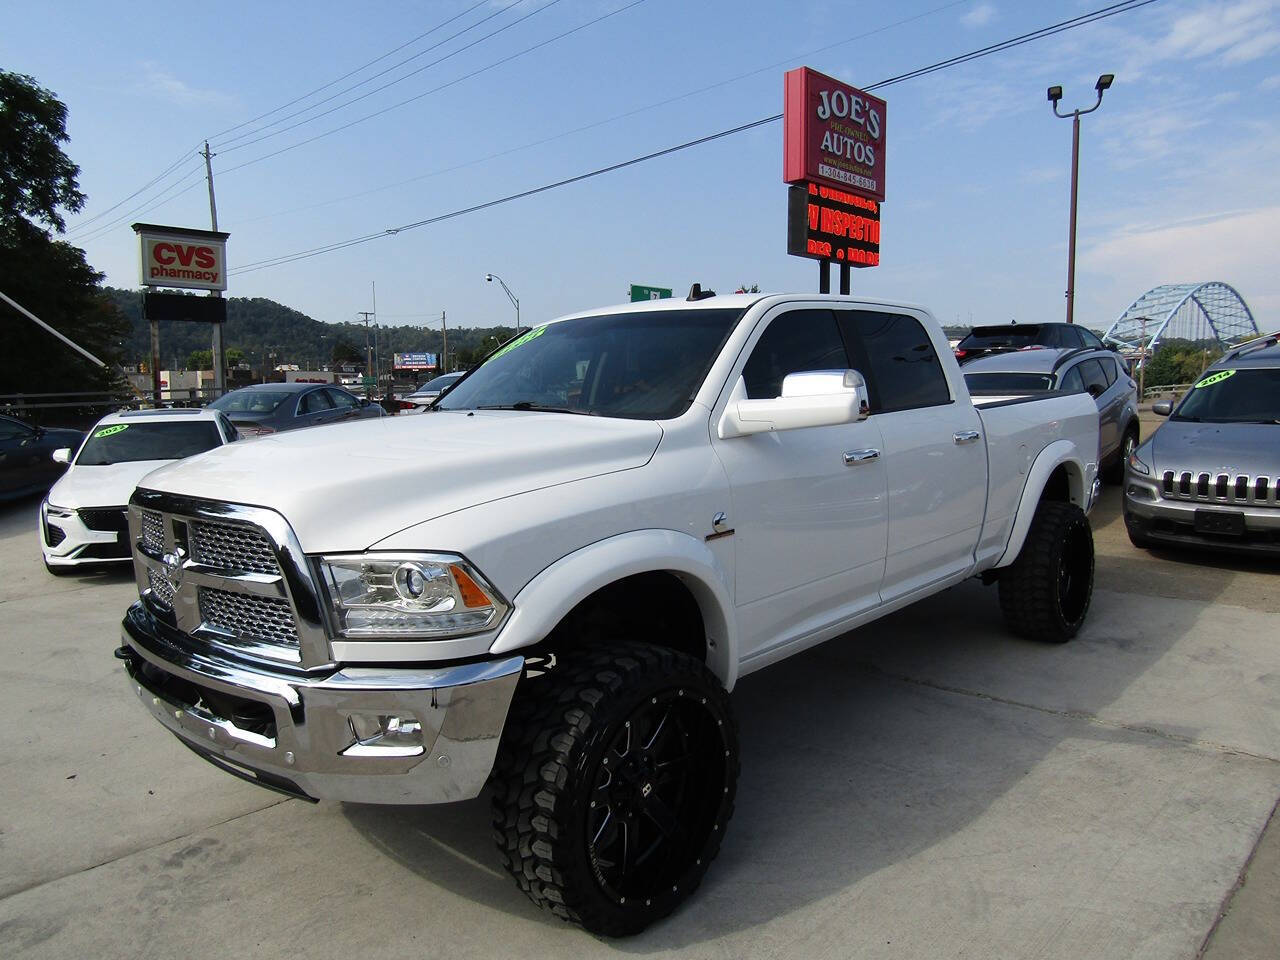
[1209, 476]
[1097, 372]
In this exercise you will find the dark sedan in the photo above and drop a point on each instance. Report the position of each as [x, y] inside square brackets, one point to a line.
[26, 456]
[271, 407]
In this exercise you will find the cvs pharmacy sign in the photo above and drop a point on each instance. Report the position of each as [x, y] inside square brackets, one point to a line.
[178, 257]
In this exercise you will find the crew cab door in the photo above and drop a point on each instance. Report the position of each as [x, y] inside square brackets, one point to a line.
[934, 452]
[808, 504]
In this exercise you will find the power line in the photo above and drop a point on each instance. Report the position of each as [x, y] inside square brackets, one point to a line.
[79, 227]
[620, 116]
[1093, 17]
[192, 180]
[224, 145]
[351, 73]
[443, 86]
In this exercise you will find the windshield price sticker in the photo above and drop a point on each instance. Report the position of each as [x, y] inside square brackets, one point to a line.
[520, 341]
[1213, 378]
[110, 431]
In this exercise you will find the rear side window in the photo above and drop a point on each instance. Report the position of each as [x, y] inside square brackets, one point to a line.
[898, 359]
[314, 402]
[1072, 382]
[793, 343]
[1108, 369]
[1070, 337]
[1089, 339]
[341, 399]
[1095, 381]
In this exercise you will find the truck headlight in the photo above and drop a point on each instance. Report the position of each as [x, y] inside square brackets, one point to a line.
[409, 595]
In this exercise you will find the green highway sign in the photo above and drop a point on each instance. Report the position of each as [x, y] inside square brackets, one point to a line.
[641, 292]
[370, 382]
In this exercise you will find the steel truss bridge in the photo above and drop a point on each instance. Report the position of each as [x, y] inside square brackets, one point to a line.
[1183, 311]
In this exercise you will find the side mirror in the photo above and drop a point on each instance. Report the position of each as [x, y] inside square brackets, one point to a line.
[62, 455]
[1162, 409]
[816, 398]
[364, 401]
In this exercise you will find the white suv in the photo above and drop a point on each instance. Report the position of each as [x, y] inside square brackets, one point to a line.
[83, 520]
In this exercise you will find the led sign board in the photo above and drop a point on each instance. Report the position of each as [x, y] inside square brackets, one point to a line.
[833, 134]
[828, 224]
[415, 361]
[182, 307]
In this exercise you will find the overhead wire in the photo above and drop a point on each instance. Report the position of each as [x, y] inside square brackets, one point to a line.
[1094, 16]
[192, 180]
[225, 146]
[350, 73]
[79, 226]
[619, 116]
[443, 86]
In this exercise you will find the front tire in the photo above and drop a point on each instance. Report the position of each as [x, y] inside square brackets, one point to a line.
[1113, 473]
[1045, 593]
[614, 783]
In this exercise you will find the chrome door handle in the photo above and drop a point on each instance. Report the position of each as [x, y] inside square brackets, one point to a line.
[966, 436]
[852, 457]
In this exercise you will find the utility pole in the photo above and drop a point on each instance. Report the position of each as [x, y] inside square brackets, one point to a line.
[368, 351]
[219, 360]
[377, 359]
[1055, 94]
[444, 350]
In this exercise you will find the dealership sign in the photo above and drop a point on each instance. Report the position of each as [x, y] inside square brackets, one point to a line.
[833, 134]
[179, 257]
[415, 361]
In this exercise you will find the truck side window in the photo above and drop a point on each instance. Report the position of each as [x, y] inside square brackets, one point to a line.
[904, 371]
[794, 342]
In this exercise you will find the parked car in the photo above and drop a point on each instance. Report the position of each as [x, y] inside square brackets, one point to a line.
[1210, 476]
[84, 519]
[426, 394]
[1097, 372]
[265, 408]
[26, 456]
[563, 571]
[1007, 337]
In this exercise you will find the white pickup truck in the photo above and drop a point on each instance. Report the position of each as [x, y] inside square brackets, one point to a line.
[551, 582]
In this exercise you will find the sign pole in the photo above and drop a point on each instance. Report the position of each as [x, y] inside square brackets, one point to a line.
[824, 276]
[155, 359]
[219, 360]
[844, 279]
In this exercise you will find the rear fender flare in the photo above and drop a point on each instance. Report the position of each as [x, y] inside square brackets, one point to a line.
[1079, 483]
[546, 599]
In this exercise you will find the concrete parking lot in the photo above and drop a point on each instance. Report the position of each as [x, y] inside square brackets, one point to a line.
[926, 787]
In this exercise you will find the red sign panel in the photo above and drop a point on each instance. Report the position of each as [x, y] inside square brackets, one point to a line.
[833, 134]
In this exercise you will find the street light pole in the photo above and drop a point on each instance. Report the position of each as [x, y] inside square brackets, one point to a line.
[1054, 95]
[511, 296]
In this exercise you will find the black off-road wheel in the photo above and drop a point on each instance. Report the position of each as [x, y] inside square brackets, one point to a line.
[1045, 594]
[614, 783]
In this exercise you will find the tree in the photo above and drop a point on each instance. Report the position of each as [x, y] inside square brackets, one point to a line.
[201, 360]
[344, 351]
[49, 277]
[745, 288]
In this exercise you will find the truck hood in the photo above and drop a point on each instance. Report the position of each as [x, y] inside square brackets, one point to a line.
[1236, 449]
[110, 485]
[347, 486]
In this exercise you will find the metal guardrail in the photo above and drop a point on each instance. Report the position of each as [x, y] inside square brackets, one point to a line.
[83, 408]
[1175, 389]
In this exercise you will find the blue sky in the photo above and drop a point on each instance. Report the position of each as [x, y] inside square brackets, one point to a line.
[1177, 178]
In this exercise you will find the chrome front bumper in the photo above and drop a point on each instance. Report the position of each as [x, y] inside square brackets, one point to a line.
[294, 733]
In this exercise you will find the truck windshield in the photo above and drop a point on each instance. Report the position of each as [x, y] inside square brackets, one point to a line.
[1007, 382]
[1234, 396]
[639, 366]
[127, 442]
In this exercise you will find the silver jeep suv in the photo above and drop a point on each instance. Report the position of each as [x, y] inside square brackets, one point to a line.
[1209, 477]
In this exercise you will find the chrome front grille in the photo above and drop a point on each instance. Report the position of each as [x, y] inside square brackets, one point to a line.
[232, 546]
[229, 576]
[260, 619]
[161, 588]
[153, 531]
[1221, 488]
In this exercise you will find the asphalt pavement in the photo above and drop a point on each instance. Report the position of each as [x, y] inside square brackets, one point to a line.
[926, 787]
